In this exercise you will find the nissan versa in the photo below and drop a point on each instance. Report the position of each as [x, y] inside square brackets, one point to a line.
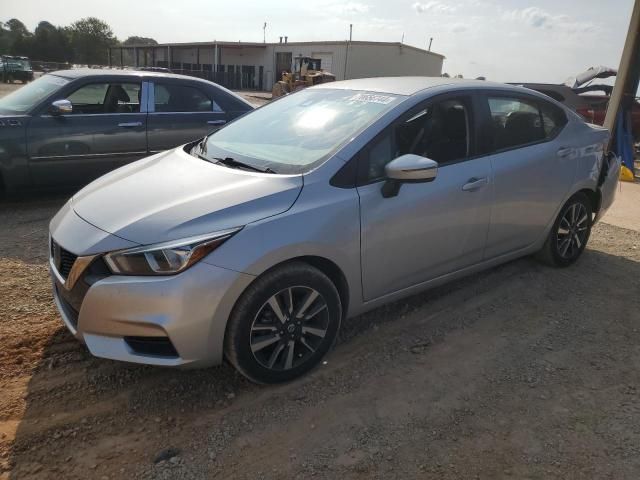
[256, 242]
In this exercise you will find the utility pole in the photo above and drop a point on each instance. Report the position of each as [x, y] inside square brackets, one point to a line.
[264, 33]
[346, 52]
[430, 42]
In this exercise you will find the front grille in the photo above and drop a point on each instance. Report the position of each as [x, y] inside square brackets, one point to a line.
[62, 259]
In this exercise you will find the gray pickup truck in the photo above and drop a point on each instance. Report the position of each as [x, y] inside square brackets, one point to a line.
[69, 127]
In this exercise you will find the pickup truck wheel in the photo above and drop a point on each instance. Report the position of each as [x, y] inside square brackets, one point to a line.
[283, 324]
[570, 233]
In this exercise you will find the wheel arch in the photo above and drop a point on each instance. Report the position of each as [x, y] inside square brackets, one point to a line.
[326, 266]
[595, 198]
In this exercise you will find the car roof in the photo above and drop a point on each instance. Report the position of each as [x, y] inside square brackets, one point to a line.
[100, 72]
[411, 85]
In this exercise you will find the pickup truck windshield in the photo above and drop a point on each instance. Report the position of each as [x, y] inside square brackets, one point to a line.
[25, 98]
[294, 134]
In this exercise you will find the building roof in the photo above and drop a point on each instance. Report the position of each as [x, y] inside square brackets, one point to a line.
[277, 44]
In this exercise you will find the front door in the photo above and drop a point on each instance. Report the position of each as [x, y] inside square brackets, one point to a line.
[181, 113]
[428, 229]
[105, 130]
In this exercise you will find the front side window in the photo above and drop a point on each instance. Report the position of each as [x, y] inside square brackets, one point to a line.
[181, 98]
[517, 122]
[97, 98]
[27, 97]
[439, 132]
[297, 132]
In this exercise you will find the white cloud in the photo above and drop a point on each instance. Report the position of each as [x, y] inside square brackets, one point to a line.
[458, 27]
[535, 17]
[350, 8]
[433, 6]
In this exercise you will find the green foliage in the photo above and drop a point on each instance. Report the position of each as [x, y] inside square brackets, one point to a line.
[139, 41]
[85, 41]
[90, 40]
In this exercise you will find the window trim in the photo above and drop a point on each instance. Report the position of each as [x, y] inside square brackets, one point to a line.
[43, 109]
[151, 100]
[360, 157]
[487, 120]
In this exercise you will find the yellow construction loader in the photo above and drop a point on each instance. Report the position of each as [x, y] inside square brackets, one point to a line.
[306, 73]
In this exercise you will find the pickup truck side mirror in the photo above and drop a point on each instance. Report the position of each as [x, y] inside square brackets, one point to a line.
[61, 107]
[408, 168]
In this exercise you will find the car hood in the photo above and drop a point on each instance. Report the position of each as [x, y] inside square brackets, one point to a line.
[173, 195]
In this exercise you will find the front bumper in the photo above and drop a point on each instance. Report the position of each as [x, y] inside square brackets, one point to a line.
[188, 310]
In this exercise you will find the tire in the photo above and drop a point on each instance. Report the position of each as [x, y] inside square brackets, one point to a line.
[570, 233]
[268, 346]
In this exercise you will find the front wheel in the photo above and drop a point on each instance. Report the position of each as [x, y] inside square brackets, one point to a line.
[570, 233]
[283, 324]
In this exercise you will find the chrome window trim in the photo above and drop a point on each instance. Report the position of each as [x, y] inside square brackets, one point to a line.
[89, 155]
[80, 115]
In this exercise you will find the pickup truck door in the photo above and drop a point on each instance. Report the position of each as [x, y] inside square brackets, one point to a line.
[106, 129]
[180, 112]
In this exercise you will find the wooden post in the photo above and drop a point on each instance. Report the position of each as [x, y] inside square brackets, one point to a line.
[627, 78]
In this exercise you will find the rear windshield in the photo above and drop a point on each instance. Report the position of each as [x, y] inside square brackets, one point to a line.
[25, 98]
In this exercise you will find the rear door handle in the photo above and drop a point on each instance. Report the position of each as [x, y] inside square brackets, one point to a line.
[474, 184]
[130, 124]
[216, 122]
[564, 152]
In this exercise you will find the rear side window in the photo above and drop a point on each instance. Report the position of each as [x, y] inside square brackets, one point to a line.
[517, 122]
[182, 98]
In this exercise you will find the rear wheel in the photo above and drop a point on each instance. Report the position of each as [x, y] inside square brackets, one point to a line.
[570, 233]
[283, 324]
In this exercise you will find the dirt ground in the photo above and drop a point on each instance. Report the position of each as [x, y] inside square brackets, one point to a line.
[521, 372]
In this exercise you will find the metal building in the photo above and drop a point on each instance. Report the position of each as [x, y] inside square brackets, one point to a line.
[256, 66]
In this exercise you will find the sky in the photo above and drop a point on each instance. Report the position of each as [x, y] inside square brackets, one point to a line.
[515, 40]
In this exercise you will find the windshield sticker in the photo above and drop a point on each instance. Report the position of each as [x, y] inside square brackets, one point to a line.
[372, 98]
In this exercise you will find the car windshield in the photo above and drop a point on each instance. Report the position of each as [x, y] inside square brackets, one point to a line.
[25, 98]
[297, 132]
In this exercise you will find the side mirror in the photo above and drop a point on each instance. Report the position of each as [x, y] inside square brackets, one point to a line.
[61, 107]
[408, 168]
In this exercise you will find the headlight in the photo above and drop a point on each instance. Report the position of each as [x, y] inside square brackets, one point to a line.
[166, 258]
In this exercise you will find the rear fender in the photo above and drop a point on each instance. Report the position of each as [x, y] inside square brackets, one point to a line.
[608, 182]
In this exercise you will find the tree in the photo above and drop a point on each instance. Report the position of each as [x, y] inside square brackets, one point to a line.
[50, 43]
[139, 41]
[19, 38]
[90, 39]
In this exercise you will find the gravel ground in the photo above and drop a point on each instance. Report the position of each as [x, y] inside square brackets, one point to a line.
[520, 372]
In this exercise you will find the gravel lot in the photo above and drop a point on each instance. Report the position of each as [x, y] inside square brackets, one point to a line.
[520, 372]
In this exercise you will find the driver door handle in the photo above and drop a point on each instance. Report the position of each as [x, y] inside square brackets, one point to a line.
[216, 122]
[130, 124]
[474, 184]
[564, 152]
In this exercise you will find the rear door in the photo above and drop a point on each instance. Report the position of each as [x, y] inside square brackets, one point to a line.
[428, 229]
[106, 129]
[533, 167]
[180, 112]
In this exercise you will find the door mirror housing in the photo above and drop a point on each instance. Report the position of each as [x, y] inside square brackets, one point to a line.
[61, 107]
[408, 168]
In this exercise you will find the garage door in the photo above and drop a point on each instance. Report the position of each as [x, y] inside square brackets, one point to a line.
[326, 60]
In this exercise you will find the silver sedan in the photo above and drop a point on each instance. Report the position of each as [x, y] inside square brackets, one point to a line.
[255, 243]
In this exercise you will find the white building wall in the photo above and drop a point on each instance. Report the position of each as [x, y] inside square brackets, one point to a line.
[367, 60]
